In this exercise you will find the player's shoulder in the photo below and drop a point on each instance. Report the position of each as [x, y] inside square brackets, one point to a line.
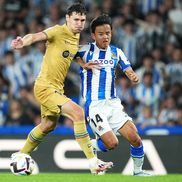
[84, 47]
[59, 27]
[52, 28]
[113, 46]
[116, 49]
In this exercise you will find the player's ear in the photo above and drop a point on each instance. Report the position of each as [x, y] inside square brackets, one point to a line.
[111, 33]
[67, 18]
[93, 36]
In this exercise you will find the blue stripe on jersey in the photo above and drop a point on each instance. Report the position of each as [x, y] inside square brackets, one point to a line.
[102, 54]
[102, 84]
[114, 55]
[112, 82]
[80, 54]
[87, 104]
[90, 53]
[115, 58]
[82, 80]
[123, 65]
[89, 84]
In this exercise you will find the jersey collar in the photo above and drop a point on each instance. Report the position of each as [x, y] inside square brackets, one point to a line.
[66, 29]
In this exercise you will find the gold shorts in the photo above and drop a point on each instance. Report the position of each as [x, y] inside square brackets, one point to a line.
[50, 100]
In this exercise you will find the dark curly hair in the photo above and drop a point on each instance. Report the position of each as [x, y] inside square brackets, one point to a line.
[100, 20]
[76, 7]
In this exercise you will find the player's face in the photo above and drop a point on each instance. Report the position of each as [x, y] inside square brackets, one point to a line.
[102, 36]
[76, 22]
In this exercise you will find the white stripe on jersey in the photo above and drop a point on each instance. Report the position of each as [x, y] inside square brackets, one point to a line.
[95, 81]
[84, 81]
[99, 84]
[108, 83]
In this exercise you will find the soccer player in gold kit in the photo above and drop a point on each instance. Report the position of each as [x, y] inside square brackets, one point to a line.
[62, 45]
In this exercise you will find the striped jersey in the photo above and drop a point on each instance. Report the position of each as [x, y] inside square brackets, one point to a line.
[100, 84]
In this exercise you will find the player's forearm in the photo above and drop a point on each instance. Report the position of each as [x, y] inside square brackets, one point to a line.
[87, 66]
[32, 38]
[28, 40]
[132, 76]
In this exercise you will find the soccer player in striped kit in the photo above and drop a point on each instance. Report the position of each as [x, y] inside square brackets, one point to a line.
[103, 109]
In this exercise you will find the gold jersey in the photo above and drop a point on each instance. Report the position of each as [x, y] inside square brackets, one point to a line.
[62, 45]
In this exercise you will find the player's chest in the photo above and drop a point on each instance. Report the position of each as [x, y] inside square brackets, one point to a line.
[106, 61]
[68, 48]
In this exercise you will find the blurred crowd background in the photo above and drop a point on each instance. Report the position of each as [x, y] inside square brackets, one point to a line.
[148, 31]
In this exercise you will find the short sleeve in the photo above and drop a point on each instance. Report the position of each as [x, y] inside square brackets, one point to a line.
[51, 32]
[82, 51]
[123, 61]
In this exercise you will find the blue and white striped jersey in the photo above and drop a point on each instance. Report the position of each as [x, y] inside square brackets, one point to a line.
[99, 84]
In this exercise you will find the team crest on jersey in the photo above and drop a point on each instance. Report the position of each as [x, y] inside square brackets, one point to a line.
[65, 54]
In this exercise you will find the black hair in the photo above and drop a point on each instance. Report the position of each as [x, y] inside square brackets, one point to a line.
[100, 20]
[76, 7]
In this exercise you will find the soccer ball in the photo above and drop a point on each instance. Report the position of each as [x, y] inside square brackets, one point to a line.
[21, 164]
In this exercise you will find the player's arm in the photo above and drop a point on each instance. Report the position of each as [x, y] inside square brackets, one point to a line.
[126, 67]
[132, 75]
[27, 40]
[87, 66]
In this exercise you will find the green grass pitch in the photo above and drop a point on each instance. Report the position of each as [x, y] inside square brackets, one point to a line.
[80, 177]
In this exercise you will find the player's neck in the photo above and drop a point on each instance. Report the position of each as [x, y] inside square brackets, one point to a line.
[70, 30]
[101, 47]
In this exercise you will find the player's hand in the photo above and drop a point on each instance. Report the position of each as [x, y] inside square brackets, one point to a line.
[91, 65]
[134, 78]
[17, 43]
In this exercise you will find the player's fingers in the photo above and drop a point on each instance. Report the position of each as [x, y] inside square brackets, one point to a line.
[19, 40]
[94, 67]
[97, 67]
[14, 44]
[93, 63]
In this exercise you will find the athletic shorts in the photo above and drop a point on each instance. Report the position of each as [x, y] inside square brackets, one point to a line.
[50, 99]
[106, 115]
